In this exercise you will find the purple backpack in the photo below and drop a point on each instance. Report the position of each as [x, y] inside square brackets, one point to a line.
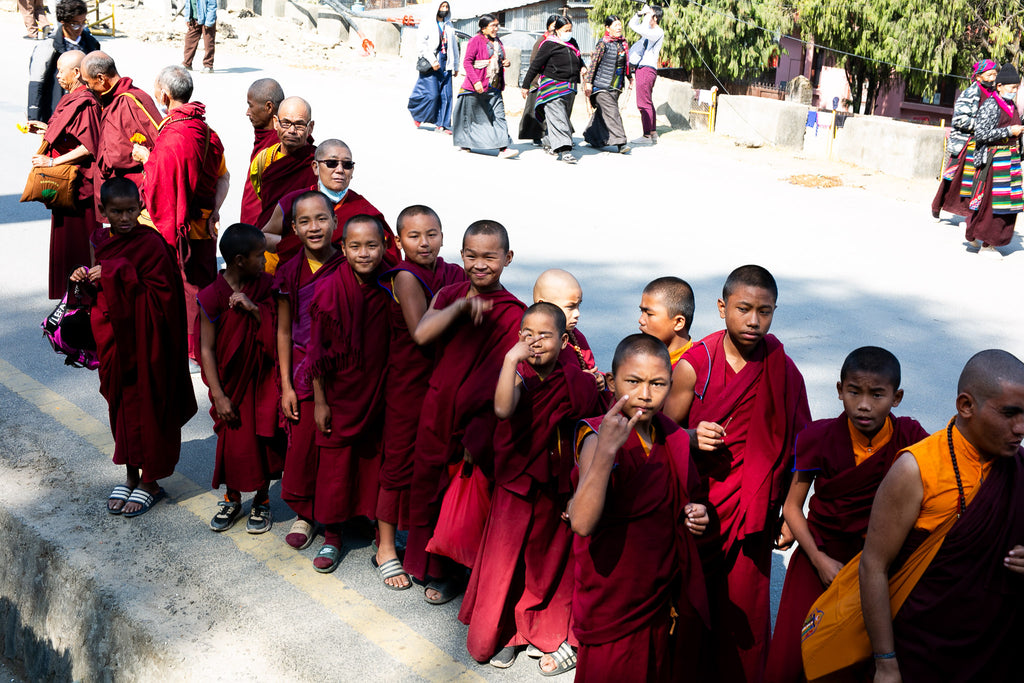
[70, 333]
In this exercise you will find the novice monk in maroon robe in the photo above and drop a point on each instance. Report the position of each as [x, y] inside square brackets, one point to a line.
[73, 135]
[334, 168]
[474, 324]
[348, 356]
[262, 100]
[845, 458]
[745, 401]
[129, 118]
[520, 591]
[560, 288]
[634, 514]
[238, 339]
[412, 284]
[139, 323]
[295, 284]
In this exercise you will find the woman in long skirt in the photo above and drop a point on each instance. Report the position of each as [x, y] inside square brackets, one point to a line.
[558, 65]
[529, 127]
[479, 118]
[431, 99]
[608, 73]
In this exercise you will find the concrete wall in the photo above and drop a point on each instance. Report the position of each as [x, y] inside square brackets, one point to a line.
[906, 150]
[673, 100]
[759, 121]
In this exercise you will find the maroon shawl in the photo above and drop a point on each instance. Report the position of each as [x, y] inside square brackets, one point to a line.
[139, 325]
[626, 569]
[458, 408]
[122, 119]
[767, 402]
[251, 205]
[76, 121]
[287, 174]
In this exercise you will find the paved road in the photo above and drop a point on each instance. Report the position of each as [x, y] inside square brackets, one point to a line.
[858, 264]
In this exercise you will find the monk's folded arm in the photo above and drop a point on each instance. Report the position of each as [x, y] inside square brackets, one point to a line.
[897, 506]
[587, 505]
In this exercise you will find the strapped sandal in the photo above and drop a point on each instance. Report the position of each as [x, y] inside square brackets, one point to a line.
[145, 499]
[331, 553]
[121, 493]
[565, 660]
[389, 570]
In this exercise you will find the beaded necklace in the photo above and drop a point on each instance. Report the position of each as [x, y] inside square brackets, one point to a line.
[956, 471]
[578, 349]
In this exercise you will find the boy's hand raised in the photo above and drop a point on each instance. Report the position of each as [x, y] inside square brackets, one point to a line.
[520, 352]
[599, 377]
[615, 428]
[710, 436]
[697, 518]
[475, 307]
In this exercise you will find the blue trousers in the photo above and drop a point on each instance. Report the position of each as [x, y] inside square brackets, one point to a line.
[431, 99]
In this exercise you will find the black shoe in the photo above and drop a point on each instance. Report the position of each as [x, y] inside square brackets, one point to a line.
[260, 519]
[226, 516]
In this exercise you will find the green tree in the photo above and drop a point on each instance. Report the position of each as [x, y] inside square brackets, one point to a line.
[733, 49]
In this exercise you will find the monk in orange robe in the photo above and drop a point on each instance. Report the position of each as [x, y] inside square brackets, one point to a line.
[262, 100]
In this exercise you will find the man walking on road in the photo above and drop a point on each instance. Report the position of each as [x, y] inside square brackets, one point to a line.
[643, 57]
[201, 16]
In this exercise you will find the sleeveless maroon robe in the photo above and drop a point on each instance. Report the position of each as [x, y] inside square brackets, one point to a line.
[765, 405]
[838, 520]
[629, 571]
[296, 283]
[75, 121]
[122, 119]
[520, 591]
[352, 204]
[247, 458]
[251, 206]
[349, 350]
[458, 411]
[408, 376]
[139, 325]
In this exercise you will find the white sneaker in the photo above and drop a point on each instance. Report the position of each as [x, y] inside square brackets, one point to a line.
[508, 153]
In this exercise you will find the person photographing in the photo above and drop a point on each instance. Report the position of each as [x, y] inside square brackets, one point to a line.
[643, 58]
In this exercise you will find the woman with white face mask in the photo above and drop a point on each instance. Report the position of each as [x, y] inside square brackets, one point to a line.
[431, 99]
[559, 65]
[998, 193]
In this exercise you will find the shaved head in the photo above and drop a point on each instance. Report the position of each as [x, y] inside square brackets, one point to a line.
[267, 90]
[98, 63]
[71, 59]
[750, 276]
[328, 146]
[987, 373]
[294, 108]
[555, 283]
[294, 123]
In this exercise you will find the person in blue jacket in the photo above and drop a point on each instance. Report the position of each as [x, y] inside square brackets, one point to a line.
[201, 16]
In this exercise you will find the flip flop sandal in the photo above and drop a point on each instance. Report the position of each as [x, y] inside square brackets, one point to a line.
[565, 660]
[331, 553]
[145, 499]
[449, 590]
[121, 493]
[505, 657]
[389, 570]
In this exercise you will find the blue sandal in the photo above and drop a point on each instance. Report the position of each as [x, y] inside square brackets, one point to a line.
[121, 493]
[145, 499]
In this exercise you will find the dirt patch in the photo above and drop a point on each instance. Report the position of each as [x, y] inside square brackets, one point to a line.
[815, 180]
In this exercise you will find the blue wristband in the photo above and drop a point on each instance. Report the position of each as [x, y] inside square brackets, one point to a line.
[887, 655]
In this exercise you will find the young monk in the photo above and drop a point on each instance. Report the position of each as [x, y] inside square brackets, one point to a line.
[237, 338]
[666, 312]
[744, 402]
[295, 283]
[139, 324]
[845, 458]
[635, 518]
[348, 357]
[412, 284]
[520, 590]
[473, 324]
[560, 288]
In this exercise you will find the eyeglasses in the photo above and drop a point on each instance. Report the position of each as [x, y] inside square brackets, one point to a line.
[75, 27]
[333, 163]
[297, 125]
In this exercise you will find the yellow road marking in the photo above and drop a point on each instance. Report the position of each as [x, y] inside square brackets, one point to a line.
[392, 635]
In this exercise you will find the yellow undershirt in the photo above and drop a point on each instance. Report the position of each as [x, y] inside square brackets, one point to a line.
[863, 447]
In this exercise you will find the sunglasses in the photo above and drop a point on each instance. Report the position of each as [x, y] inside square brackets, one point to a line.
[333, 163]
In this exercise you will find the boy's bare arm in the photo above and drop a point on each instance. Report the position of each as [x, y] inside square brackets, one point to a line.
[434, 322]
[510, 384]
[793, 513]
[680, 394]
[208, 355]
[411, 298]
[289, 400]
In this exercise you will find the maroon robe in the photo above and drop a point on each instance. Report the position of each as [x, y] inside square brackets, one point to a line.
[965, 616]
[351, 205]
[139, 325]
[247, 457]
[408, 376]
[75, 121]
[629, 569]
[838, 521]
[287, 174]
[251, 205]
[121, 120]
[458, 412]
[765, 406]
[520, 591]
[349, 350]
[296, 282]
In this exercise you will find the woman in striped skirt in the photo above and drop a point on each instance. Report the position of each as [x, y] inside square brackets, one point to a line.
[559, 65]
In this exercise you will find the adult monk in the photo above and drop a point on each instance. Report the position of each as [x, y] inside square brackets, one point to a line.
[334, 168]
[286, 165]
[262, 100]
[745, 402]
[965, 616]
[72, 133]
[129, 117]
[185, 183]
